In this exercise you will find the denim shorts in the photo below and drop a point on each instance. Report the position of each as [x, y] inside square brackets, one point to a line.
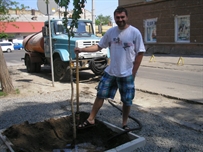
[108, 86]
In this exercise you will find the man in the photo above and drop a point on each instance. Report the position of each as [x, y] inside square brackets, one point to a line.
[126, 52]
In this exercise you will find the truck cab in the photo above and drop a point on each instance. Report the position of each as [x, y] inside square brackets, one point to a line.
[63, 55]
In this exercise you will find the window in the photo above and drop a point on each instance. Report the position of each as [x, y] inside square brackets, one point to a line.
[5, 44]
[182, 28]
[150, 30]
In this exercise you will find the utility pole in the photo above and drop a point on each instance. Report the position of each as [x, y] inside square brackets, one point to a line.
[59, 9]
[93, 16]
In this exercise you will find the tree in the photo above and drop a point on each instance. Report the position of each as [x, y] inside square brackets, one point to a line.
[5, 79]
[77, 10]
[3, 36]
[6, 82]
[103, 20]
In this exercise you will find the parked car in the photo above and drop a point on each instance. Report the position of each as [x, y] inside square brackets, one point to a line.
[18, 46]
[7, 46]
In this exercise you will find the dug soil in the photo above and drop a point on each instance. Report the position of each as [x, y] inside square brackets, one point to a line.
[57, 134]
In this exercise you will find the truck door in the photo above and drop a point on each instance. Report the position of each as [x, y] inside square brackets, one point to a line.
[46, 42]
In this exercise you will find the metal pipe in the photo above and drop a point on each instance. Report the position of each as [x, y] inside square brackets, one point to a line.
[50, 45]
[93, 16]
[77, 82]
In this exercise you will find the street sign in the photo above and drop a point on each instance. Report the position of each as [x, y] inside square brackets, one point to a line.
[47, 7]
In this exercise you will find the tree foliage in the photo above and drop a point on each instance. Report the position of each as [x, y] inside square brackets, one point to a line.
[5, 17]
[103, 20]
[5, 5]
[3, 36]
[77, 10]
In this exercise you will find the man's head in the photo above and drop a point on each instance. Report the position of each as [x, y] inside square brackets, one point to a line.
[121, 17]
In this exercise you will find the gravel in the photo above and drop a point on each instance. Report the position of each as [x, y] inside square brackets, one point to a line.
[161, 134]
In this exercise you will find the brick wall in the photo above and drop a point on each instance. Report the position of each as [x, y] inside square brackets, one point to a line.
[165, 11]
[127, 2]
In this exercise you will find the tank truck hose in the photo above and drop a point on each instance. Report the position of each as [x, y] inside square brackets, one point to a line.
[126, 131]
[29, 39]
[97, 65]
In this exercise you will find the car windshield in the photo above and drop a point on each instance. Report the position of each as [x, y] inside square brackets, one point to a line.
[83, 29]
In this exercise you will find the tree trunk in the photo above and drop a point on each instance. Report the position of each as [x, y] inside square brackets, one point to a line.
[5, 79]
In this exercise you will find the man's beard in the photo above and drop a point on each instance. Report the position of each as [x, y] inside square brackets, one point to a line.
[121, 24]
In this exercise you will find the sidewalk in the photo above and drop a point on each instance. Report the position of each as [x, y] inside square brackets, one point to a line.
[186, 63]
[193, 64]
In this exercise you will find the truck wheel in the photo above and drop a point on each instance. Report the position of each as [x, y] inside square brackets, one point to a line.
[29, 65]
[37, 67]
[61, 70]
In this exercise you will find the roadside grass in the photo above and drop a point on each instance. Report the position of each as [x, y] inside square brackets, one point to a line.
[17, 91]
[2, 94]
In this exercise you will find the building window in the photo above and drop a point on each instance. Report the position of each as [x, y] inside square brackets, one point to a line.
[150, 30]
[182, 28]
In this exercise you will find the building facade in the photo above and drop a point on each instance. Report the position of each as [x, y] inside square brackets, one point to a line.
[168, 26]
[30, 21]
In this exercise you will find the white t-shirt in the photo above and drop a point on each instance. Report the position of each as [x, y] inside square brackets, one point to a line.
[124, 45]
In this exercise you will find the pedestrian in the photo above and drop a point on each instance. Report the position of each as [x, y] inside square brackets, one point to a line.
[126, 52]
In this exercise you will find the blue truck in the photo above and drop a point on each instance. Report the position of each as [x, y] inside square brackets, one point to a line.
[37, 49]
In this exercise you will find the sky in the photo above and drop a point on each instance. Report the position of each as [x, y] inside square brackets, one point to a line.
[104, 7]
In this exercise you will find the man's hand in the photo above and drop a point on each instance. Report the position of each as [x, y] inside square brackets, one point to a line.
[77, 50]
[137, 63]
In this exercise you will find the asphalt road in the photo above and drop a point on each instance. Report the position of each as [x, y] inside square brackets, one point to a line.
[173, 76]
[184, 85]
[14, 57]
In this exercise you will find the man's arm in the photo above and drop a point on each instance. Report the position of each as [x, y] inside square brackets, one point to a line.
[93, 48]
[137, 62]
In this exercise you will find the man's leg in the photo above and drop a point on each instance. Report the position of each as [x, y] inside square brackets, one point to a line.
[105, 89]
[126, 111]
[127, 91]
[96, 106]
[91, 119]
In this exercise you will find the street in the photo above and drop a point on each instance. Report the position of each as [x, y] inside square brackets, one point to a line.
[186, 85]
[14, 57]
[167, 75]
